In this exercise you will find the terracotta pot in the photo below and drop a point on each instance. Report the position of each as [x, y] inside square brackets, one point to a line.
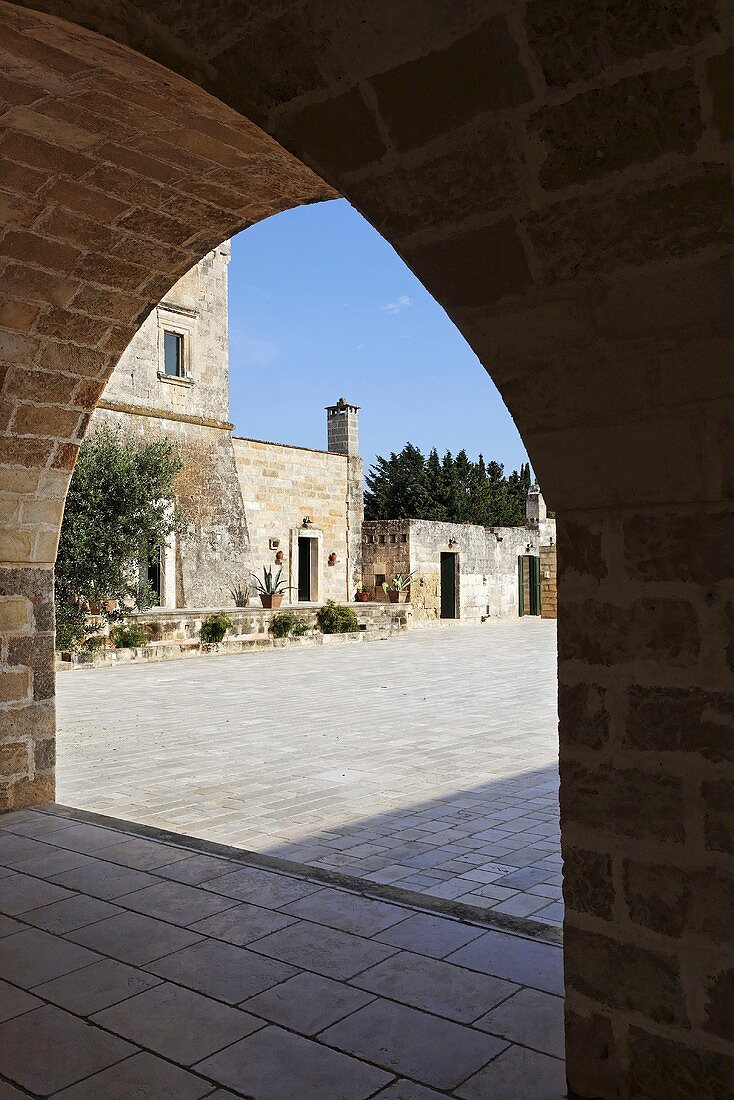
[398, 597]
[270, 601]
[363, 597]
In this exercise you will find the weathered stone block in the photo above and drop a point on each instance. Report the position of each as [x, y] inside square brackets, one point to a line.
[721, 83]
[603, 130]
[695, 547]
[474, 268]
[45, 420]
[626, 801]
[588, 885]
[634, 225]
[14, 758]
[340, 132]
[601, 633]
[676, 720]
[661, 1068]
[584, 720]
[622, 975]
[717, 797]
[16, 615]
[474, 176]
[17, 793]
[15, 684]
[592, 1060]
[577, 39]
[423, 98]
[676, 901]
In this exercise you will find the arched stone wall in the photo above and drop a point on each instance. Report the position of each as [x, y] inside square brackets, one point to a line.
[559, 176]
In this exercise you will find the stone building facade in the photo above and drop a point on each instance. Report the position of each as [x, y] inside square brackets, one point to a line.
[463, 571]
[244, 503]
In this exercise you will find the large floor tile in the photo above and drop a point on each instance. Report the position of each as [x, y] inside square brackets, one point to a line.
[74, 912]
[196, 869]
[14, 1002]
[405, 1041]
[134, 938]
[181, 1025]
[408, 1090]
[142, 1077]
[275, 1065]
[96, 987]
[176, 902]
[15, 849]
[435, 986]
[429, 935]
[221, 970]
[53, 861]
[348, 912]
[84, 838]
[328, 951]
[527, 962]
[307, 1003]
[530, 1017]
[517, 1073]
[243, 923]
[47, 1050]
[104, 880]
[19, 893]
[260, 887]
[32, 957]
[142, 854]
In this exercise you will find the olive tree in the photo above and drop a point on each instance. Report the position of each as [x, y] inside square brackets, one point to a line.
[120, 507]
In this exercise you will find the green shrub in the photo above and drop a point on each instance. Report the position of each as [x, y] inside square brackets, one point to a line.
[335, 619]
[214, 628]
[282, 624]
[128, 636]
[287, 622]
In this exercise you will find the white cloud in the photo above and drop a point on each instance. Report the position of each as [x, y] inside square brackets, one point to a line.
[402, 302]
[248, 351]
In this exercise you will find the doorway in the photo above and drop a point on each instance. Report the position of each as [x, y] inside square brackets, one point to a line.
[449, 609]
[307, 569]
[528, 584]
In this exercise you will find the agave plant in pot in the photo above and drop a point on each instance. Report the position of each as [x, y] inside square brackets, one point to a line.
[271, 589]
[398, 590]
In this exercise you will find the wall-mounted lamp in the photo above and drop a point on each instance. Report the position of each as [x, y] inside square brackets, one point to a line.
[529, 548]
[279, 558]
[306, 521]
[551, 540]
[332, 559]
[452, 543]
[498, 537]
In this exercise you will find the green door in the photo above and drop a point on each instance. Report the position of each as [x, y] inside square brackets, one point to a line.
[448, 586]
[520, 585]
[534, 564]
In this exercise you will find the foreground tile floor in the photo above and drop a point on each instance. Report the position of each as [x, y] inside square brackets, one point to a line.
[206, 977]
[428, 761]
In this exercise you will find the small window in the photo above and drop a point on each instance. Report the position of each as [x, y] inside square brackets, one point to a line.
[173, 354]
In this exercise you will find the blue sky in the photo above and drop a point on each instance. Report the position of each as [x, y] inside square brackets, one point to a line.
[321, 306]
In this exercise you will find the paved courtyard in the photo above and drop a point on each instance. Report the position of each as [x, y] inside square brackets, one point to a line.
[133, 968]
[427, 761]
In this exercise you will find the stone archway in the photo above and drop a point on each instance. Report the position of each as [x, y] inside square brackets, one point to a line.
[560, 180]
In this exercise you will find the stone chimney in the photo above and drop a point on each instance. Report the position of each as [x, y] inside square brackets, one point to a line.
[535, 509]
[342, 426]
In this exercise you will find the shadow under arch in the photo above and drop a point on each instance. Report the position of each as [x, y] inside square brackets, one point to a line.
[585, 259]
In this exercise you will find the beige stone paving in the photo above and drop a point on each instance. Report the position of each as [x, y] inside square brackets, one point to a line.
[428, 760]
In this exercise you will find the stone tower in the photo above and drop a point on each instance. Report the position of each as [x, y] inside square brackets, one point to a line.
[535, 509]
[342, 425]
[342, 430]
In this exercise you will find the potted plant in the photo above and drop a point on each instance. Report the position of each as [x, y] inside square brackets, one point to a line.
[363, 594]
[398, 591]
[240, 593]
[270, 589]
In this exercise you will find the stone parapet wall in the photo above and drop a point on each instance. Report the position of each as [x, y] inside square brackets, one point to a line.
[184, 624]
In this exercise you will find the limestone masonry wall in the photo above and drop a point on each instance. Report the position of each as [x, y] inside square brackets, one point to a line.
[281, 485]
